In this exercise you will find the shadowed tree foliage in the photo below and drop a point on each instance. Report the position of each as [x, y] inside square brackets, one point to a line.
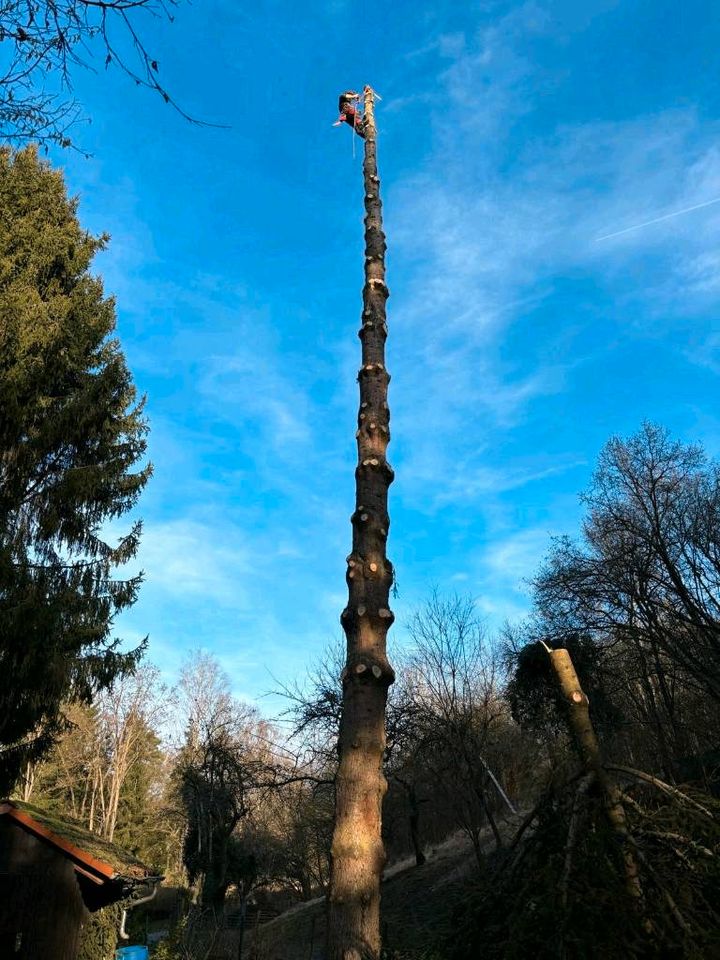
[100, 934]
[560, 894]
[214, 782]
[216, 772]
[72, 435]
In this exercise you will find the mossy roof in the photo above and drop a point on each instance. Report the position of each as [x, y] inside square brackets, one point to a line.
[71, 837]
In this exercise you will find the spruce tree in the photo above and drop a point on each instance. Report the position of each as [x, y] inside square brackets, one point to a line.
[72, 442]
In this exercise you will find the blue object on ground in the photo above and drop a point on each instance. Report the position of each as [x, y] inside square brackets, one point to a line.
[132, 953]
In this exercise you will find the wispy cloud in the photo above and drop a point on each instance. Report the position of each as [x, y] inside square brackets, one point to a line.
[706, 353]
[471, 481]
[516, 556]
[701, 273]
[187, 557]
[250, 385]
[490, 240]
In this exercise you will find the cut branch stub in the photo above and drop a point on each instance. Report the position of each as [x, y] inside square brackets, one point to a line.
[369, 668]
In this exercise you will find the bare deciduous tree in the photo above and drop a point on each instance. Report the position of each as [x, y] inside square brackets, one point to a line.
[459, 710]
[46, 41]
[647, 570]
[133, 706]
[212, 773]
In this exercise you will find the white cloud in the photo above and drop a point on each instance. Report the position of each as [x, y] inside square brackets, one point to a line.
[251, 386]
[187, 557]
[702, 273]
[706, 353]
[516, 557]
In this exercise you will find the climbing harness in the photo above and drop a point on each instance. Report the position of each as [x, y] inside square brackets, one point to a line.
[349, 107]
[351, 114]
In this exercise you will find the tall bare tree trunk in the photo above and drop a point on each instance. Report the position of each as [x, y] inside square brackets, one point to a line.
[357, 850]
[28, 781]
[91, 815]
[414, 805]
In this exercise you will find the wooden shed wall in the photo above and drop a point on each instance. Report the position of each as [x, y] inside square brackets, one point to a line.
[41, 909]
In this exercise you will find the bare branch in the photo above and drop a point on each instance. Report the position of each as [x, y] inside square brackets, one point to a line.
[45, 41]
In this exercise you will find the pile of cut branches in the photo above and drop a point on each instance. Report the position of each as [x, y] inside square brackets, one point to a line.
[611, 863]
[562, 890]
[574, 887]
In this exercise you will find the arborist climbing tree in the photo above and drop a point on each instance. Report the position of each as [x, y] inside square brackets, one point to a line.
[349, 107]
[358, 855]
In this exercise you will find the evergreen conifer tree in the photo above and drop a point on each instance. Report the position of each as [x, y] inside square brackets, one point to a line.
[72, 441]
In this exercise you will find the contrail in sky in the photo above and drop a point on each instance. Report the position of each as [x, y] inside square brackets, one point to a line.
[668, 216]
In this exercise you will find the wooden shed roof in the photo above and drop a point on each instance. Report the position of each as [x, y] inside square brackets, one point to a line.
[92, 856]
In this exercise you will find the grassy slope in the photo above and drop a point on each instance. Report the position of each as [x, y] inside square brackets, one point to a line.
[417, 910]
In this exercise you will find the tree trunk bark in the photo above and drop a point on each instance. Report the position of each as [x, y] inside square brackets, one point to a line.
[492, 823]
[415, 826]
[28, 781]
[91, 815]
[358, 856]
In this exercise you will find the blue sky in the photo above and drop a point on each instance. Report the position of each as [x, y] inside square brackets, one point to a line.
[512, 137]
